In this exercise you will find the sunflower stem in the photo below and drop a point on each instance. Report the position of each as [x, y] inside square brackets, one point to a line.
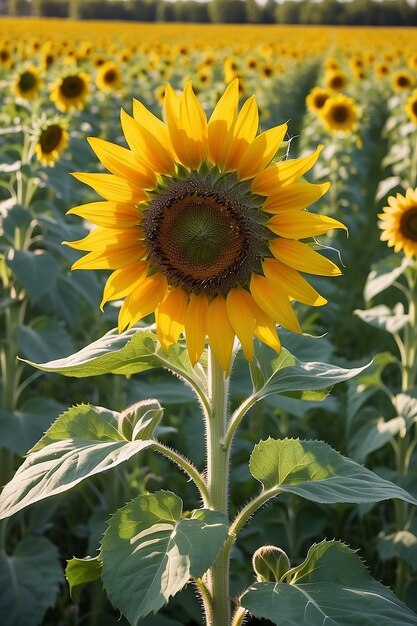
[217, 578]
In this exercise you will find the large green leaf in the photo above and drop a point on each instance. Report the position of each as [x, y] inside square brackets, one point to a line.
[331, 588]
[385, 318]
[284, 374]
[313, 470]
[384, 274]
[29, 582]
[83, 441]
[370, 432]
[36, 271]
[131, 352]
[151, 550]
[400, 544]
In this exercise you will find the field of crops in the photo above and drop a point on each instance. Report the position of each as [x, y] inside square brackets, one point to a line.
[147, 486]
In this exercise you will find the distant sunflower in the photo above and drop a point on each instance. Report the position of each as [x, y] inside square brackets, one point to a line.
[411, 107]
[109, 77]
[52, 140]
[316, 99]
[71, 91]
[27, 84]
[339, 113]
[399, 223]
[335, 80]
[382, 69]
[199, 227]
[402, 81]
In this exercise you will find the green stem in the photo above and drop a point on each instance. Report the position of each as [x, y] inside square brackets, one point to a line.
[217, 478]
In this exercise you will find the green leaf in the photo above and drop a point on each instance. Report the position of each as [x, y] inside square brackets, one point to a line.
[29, 580]
[385, 318]
[313, 470]
[82, 442]
[44, 339]
[331, 588]
[406, 405]
[374, 433]
[79, 572]
[384, 274]
[401, 544]
[131, 352]
[36, 271]
[284, 374]
[150, 551]
[372, 377]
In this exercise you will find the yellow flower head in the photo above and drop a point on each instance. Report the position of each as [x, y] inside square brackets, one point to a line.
[316, 99]
[27, 84]
[53, 139]
[71, 91]
[399, 222]
[339, 114]
[411, 107]
[201, 228]
[335, 80]
[109, 77]
[402, 81]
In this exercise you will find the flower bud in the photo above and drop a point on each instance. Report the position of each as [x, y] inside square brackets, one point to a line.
[270, 564]
[140, 420]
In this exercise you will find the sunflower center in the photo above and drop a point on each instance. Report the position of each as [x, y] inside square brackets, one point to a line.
[202, 234]
[340, 114]
[27, 81]
[72, 87]
[319, 100]
[50, 138]
[110, 77]
[414, 107]
[403, 81]
[408, 223]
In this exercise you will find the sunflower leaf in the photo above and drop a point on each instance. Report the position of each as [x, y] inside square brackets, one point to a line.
[79, 572]
[331, 587]
[313, 470]
[82, 442]
[150, 551]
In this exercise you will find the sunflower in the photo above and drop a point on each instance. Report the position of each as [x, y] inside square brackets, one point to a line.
[335, 80]
[339, 113]
[382, 69]
[109, 77]
[316, 99]
[199, 227]
[52, 140]
[411, 107]
[71, 91]
[402, 81]
[399, 222]
[27, 84]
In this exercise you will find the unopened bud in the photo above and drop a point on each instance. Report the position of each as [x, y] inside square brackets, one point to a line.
[140, 420]
[270, 564]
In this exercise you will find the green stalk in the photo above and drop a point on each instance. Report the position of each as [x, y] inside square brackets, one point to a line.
[217, 480]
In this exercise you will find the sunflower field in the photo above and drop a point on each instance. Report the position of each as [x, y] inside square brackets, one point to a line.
[209, 303]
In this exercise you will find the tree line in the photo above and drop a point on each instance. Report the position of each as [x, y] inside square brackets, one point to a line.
[330, 12]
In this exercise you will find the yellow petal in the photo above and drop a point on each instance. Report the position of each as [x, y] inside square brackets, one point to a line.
[108, 214]
[147, 146]
[123, 281]
[153, 124]
[259, 153]
[301, 224]
[188, 131]
[221, 124]
[302, 258]
[123, 163]
[242, 319]
[275, 304]
[284, 173]
[142, 301]
[220, 332]
[171, 317]
[244, 133]
[289, 281]
[111, 258]
[112, 187]
[171, 106]
[103, 237]
[294, 197]
[196, 326]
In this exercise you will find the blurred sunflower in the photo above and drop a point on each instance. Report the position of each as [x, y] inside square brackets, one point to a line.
[335, 80]
[411, 107]
[339, 113]
[52, 140]
[71, 91]
[316, 99]
[199, 227]
[399, 222]
[402, 81]
[27, 84]
[109, 77]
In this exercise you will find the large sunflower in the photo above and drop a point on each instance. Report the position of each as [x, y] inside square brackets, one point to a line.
[399, 222]
[199, 227]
